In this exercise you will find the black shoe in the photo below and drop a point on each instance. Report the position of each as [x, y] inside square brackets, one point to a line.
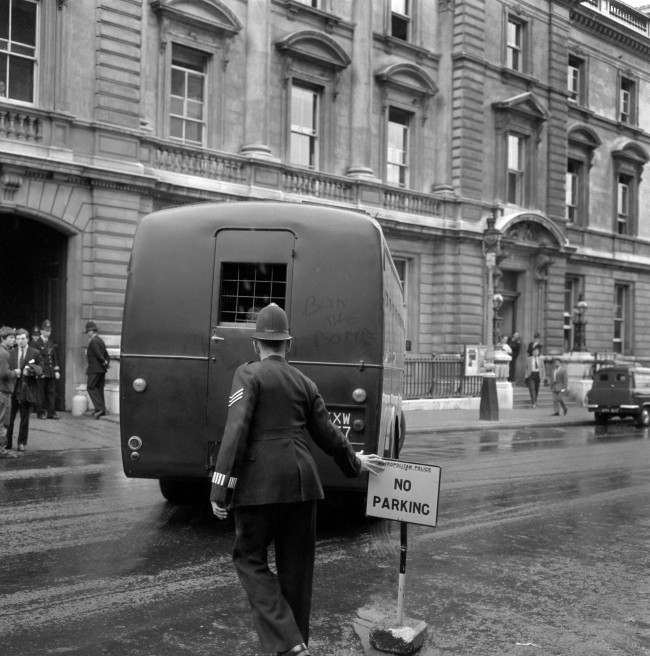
[53, 417]
[42, 416]
[555, 414]
[298, 650]
[99, 414]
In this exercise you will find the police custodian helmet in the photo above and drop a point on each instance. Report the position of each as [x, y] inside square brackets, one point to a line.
[272, 324]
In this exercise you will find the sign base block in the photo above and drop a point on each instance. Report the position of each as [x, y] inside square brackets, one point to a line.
[405, 639]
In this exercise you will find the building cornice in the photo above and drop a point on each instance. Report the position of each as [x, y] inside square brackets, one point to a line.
[611, 30]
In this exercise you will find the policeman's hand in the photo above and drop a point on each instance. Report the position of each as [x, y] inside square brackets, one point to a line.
[57, 375]
[371, 463]
[219, 511]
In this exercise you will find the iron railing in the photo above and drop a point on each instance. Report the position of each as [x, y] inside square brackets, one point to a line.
[438, 376]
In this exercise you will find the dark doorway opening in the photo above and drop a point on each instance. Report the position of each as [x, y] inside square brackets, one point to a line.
[33, 280]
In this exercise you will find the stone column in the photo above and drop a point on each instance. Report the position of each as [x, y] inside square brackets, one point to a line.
[361, 96]
[258, 47]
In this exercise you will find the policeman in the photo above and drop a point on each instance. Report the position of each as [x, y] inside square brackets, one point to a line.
[266, 473]
[51, 371]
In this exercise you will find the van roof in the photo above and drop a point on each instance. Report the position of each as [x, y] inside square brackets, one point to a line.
[210, 216]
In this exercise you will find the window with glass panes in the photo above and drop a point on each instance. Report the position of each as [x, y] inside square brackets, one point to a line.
[305, 108]
[187, 100]
[247, 287]
[572, 189]
[397, 147]
[575, 78]
[515, 169]
[18, 44]
[626, 100]
[514, 44]
[624, 185]
[572, 289]
[621, 317]
[400, 19]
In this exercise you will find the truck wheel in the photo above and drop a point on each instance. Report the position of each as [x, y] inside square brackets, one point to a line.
[643, 418]
[601, 418]
[184, 491]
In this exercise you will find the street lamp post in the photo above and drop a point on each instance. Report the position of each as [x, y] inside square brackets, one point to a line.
[580, 325]
[489, 407]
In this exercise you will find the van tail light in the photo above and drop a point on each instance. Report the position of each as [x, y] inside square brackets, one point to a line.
[139, 384]
[359, 395]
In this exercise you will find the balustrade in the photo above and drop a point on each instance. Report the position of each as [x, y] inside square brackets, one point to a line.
[19, 124]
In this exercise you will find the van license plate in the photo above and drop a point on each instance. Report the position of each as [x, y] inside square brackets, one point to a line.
[342, 419]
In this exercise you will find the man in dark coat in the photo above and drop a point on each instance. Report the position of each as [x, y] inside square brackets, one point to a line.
[25, 361]
[98, 363]
[51, 371]
[266, 472]
[8, 378]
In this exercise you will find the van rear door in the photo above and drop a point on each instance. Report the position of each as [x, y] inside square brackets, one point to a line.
[252, 269]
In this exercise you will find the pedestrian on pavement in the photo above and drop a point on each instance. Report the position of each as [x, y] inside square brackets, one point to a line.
[515, 346]
[98, 364]
[536, 343]
[51, 371]
[7, 380]
[265, 472]
[533, 368]
[558, 386]
[25, 361]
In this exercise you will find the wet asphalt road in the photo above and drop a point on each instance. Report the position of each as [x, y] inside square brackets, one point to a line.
[541, 548]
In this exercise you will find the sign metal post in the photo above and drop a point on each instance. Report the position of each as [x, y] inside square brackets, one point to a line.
[407, 492]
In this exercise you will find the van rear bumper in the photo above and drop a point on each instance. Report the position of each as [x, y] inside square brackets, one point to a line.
[614, 409]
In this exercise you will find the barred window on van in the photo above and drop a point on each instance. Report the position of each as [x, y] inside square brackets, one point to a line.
[247, 287]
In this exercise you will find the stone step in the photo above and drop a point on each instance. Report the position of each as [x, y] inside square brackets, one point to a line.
[521, 397]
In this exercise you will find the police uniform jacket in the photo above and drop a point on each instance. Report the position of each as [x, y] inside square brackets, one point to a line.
[27, 389]
[49, 358]
[97, 356]
[273, 412]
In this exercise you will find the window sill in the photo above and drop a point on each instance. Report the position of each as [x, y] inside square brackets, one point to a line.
[328, 20]
[393, 45]
[583, 110]
[509, 73]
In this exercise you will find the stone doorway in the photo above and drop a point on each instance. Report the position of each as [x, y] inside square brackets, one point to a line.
[33, 272]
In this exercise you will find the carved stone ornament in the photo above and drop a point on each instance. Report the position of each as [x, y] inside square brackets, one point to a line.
[531, 233]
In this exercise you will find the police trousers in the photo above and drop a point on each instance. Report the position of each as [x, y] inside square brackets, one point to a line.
[281, 604]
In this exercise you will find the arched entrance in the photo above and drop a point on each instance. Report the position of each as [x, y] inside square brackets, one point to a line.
[33, 274]
[531, 247]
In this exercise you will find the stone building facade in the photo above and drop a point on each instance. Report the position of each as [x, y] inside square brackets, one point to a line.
[441, 119]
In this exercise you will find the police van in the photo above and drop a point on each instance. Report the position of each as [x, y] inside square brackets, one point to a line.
[199, 274]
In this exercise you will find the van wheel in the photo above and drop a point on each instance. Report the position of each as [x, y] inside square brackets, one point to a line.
[601, 418]
[643, 419]
[184, 491]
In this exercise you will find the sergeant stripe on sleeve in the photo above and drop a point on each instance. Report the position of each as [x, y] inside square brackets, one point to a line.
[236, 396]
[219, 479]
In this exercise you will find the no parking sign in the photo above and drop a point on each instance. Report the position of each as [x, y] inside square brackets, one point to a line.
[406, 492]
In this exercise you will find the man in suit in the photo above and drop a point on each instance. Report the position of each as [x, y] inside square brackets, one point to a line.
[266, 473]
[25, 361]
[533, 375]
[558, 386]
[8, 378]
[98, 364]
[51, 371]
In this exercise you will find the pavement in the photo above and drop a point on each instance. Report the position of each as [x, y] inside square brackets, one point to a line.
[86, 432]
[68, 432]
[464, 420]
